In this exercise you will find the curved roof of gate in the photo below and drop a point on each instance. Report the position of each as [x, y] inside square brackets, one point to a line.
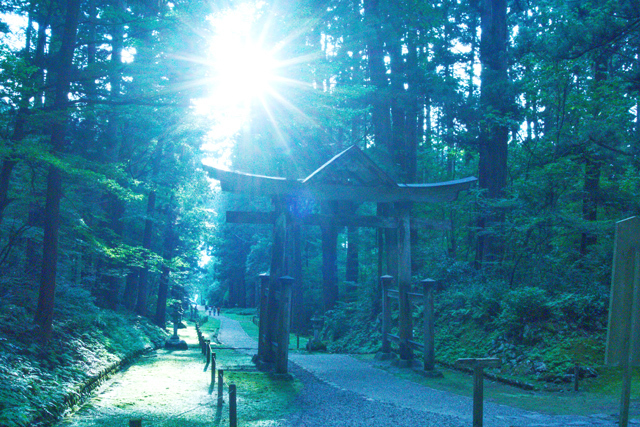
[350, 175]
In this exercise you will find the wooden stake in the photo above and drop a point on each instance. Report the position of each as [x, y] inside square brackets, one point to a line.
[386, 313]
[213, 368]
[220, 383]
[405, 329]
[233, 417]
[263, 322]
[478, 396]
[628, 350]
[283, 322]
[478, 366]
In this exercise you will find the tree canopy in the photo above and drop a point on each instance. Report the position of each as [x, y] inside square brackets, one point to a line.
[108, 108]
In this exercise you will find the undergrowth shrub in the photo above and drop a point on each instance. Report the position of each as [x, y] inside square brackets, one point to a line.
[353, 327]
[587, 312]
[35, 376]
[522, 308]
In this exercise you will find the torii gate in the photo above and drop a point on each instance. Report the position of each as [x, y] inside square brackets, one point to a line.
[350, 176]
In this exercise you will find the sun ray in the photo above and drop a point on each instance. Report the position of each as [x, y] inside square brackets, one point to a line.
[253, 64]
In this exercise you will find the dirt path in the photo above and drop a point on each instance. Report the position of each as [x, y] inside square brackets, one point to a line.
[340, 390]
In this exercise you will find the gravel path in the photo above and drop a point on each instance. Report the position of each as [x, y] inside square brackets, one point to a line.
[339, 390]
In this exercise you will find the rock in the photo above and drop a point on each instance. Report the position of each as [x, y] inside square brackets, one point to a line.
[583, 372]
[539, 367]
[589, 372]
[316, 345]
[175, 344]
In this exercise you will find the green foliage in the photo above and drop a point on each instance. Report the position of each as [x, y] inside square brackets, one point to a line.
[523, 307]
[35, 377]
[353, 327]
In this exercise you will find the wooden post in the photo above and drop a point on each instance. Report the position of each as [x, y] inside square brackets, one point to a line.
[386, 282]
[428, 286]
[405, 330]
[233, 417]
[630, 352]
[213, 368]
[478, 396]
[262, 324]
[576, 377]
[297, 298]
[135, 422]
[329, 233]
[623, 339]
[282, 334]
[478, 366]
[277, 269]
[207, 356]
[220, 383]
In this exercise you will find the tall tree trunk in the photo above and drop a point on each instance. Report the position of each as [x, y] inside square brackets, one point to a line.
[115, 206]
[329, 232]
[495, 103]
[353, 244]
[44, 311]
[9, 163]
[398, 123]
[591, 191]
[593, 164]
[378, 75]
[143, 273]
[413, 124]
[168, 249]
[353, 264]
[33, 256]
[19, 129]
[5, 178]
[130, 290]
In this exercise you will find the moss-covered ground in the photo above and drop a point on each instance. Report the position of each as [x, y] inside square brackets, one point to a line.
[262, 398]
[39, 380]
[246, 319]
[174, 388]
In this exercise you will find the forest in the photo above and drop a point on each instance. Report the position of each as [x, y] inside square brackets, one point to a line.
[109, 109]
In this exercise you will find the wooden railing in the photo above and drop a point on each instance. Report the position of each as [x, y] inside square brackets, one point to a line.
[426, 299]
